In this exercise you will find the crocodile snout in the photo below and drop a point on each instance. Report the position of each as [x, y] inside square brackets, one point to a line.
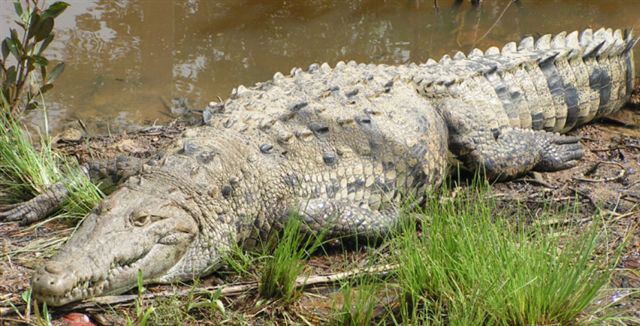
[52, 281]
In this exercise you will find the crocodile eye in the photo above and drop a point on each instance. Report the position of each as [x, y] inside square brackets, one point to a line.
[139, 218]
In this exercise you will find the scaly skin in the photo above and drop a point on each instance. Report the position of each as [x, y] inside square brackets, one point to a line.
[341, 147]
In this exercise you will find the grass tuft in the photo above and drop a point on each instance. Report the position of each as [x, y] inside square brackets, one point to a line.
[26, 171]
[472, 264]
[278, 276]
[359, 302]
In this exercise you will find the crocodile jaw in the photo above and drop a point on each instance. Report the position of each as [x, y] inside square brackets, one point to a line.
[134, 231]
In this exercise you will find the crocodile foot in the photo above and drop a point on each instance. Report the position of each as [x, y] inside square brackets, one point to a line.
[36, 208]
[560, 152]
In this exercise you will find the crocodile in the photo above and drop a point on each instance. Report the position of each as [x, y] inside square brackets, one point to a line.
[341, 147]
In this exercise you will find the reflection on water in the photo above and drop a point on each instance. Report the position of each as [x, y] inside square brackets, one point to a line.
[124, 55]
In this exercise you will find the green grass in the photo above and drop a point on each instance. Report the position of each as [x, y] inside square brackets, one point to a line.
[473, 264]
[26, 171]
[241, 262]
[359, 301]
[278, 275]
[196, 306]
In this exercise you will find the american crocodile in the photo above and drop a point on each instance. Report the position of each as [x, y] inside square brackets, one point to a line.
[341, 147]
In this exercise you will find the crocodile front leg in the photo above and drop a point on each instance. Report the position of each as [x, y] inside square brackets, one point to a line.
[110, 172]
[36, 208]
[343, 218]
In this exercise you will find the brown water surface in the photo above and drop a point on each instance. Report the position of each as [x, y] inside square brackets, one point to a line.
[123, 56]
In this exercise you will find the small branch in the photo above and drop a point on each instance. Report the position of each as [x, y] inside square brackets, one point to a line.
[585, 195]
[495, 23]
[230, 289]
[537, 179]
[619, 176]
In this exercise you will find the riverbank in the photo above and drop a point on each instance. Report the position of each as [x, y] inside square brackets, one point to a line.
[607, 180]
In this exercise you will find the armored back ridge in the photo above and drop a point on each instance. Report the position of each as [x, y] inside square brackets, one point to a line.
[554, 83]
[342, 147]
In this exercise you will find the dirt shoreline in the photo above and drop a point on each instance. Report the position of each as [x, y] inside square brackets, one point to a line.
[607, 178]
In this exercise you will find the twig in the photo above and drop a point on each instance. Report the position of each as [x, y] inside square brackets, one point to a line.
[619, 176]
[562, 222]
[494, 23]
[537, 179]
[585, 195]
[230, 289]
[476, 27]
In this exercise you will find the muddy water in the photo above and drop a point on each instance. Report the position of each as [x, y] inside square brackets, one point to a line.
[123, 56]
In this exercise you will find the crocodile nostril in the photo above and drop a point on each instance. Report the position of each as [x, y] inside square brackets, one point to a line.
[54, 268]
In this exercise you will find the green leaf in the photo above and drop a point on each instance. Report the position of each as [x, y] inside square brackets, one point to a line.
[16, 39]
[30, 64]
[26, 296]
[31, 106]
[40, 60]
[5, 49]
[18, 6]
[45, 88]
[43, 72]
[55, 72]
[46, 43]
[44, 28]
[55, 9]
[33, 25]
[13, 48]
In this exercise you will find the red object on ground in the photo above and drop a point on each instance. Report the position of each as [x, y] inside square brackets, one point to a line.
[77, 319]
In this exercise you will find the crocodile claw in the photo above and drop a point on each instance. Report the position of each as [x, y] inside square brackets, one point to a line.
[37, 208]
[561, 152]
[24, 212]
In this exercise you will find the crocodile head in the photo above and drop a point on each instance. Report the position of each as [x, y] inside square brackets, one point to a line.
[151, 227]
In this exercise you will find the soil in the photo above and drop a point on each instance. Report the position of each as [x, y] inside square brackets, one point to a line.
[606, 181]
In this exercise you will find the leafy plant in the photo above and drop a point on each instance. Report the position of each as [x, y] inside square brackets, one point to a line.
[26, 47]
[36, 318]
[142, 315]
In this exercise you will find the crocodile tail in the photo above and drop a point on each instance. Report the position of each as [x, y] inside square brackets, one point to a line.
[554, 82]
[587, 75]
